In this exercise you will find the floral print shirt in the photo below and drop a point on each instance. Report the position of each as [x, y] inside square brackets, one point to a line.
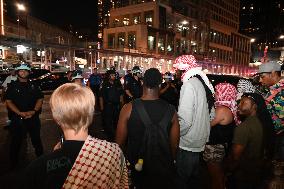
[275, 105]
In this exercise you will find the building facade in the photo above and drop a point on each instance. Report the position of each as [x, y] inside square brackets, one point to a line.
[227, 46]
[24, 37]
[104, 7]
[158, 29]
[164, 29]
[263, 22]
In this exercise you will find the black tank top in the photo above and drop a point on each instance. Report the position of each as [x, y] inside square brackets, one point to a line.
[220, 134]
[156, 110]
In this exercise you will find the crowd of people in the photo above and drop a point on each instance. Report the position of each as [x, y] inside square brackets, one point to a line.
[159, 127]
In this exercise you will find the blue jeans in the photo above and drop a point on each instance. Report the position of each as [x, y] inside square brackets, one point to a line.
[188, 169]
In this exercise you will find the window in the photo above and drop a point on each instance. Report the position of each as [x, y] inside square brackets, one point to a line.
[125, 21]
[151, 42]
[111, 41]
[161, 43]
[170, 45]
[137, 19]
[121, 40]
[149, 18]
[132, 41]
[162, 17]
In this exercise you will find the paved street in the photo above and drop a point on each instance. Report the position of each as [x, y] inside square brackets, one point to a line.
[50, 136]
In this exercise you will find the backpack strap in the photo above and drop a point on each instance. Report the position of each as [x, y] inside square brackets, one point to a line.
[142, 113]
[167, 116]
[145, 117]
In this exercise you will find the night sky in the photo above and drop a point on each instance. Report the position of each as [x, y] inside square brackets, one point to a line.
[80, 14]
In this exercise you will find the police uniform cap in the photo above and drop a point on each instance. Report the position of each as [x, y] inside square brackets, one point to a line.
[77, 75]
[23, 66]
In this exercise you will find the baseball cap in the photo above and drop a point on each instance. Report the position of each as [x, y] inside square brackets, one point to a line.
[269, 67]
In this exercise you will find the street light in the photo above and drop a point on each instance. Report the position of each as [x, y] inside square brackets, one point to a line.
[20, 8]
[281, 37]
[252, 40]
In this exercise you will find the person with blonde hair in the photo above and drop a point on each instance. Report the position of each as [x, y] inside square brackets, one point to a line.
[82, 161]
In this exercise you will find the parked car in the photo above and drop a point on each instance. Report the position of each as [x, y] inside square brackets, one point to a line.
[51, 81]
[215, 79]
[35, 73]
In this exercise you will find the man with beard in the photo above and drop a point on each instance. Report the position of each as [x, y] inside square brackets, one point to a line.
[251, 142]
[196, 106]
[25, 100]
[270, 77]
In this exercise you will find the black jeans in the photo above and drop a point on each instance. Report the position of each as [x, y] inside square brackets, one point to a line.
[96, 90]
[110, 119]
[188, 169]
[19, 128]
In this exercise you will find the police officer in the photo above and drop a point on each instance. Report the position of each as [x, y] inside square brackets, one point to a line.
[78, 78]
[25, 100]
[133, 86]
[111, 99]
[168, 91]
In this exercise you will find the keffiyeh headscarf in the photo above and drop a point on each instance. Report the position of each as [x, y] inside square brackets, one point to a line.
[188, 63]
[244, 86]
[225, 95]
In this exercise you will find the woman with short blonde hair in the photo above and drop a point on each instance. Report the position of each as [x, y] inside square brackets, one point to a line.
[72, 107]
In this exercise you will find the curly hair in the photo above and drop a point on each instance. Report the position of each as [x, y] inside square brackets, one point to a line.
[152, 78]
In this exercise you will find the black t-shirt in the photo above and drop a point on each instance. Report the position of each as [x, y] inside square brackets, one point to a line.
[170, 95]
[156, 110]
[221, 134]
[159, 173]
[134, 86]
[111, 92]
[51, 170]
[24, 95]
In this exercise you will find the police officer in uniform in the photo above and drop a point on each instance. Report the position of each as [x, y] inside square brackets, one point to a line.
[168, 91]
[111, 99]
[133, 86]
[78, 78]
[25, 100]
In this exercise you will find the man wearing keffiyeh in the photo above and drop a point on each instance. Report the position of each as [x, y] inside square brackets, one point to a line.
[195, 105]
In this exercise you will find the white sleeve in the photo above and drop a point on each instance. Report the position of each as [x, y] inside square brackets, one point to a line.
[7, 80]
[186, 107]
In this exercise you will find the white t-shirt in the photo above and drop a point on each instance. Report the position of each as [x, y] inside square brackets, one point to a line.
[8, 80]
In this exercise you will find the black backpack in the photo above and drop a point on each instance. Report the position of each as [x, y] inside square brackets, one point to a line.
[158, 162]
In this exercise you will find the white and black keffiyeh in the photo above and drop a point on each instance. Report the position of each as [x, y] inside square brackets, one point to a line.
[244, 86]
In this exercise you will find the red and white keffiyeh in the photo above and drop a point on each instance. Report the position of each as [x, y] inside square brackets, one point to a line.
[189, 64]
[185, 62]
[226, 95]
[100, 164]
